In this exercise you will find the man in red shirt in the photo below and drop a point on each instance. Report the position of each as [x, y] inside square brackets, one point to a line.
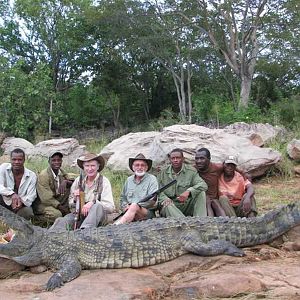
[236, 194]
[210, 173]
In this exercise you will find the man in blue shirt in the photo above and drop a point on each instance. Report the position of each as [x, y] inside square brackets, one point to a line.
[136, 187]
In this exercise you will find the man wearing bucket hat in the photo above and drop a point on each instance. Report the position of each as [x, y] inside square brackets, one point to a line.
[138, 186]
[53, 188]
[236, 193]
[97, 194]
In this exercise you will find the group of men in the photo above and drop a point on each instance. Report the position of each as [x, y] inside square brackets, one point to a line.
[205, 189]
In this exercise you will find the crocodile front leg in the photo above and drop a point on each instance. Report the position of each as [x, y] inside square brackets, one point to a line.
[68, 269]
[191, 243]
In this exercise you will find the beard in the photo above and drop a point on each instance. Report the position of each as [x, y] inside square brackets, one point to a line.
[139, 173]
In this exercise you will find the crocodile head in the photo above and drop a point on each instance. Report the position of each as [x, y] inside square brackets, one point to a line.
[23, 245]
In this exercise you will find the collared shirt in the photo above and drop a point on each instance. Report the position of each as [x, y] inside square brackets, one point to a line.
[56, 179]
[233, 189]
[91, 193]
[47, 189]
[187, 180]
[27, 188]
[134, 191]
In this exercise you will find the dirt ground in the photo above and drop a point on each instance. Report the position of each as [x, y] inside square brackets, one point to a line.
[266, 272]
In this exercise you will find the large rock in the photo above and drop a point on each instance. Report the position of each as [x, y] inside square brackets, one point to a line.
[188, 277]
[259, 134]
[156, 145]
[69, 147]
[129, 145]
[11, 143]
[293, 149]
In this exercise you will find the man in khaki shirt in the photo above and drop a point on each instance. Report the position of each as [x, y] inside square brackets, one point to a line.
[97, 195]
[53, 188]
[187, 196]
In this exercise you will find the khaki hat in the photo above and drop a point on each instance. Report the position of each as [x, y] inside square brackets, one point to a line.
[91, 156]
[231, 160]
[55, 153]
[140, 156]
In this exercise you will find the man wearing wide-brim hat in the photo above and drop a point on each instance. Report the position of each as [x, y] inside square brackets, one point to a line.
[138, 186]
[98, 199]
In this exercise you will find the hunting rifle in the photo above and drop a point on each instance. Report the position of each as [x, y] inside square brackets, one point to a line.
[145, 199]
[80, 201]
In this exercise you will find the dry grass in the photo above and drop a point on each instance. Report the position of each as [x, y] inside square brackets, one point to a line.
[273, 191]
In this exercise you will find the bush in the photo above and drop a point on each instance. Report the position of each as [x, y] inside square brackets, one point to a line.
[214, 109]
[286, 112]
[167, 118]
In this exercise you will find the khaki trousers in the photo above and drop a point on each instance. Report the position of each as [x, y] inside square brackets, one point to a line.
[191, 207]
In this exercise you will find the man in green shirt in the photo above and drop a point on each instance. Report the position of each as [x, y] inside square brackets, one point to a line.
[53, 188]
[138, 186]
[187, 196]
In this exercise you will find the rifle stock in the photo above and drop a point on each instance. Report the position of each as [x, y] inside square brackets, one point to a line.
[80, 201]
[145, 199]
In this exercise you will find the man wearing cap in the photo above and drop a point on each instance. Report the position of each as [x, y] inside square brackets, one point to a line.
[98, 196]
[187, 196]
[236, 192]
[210, 172]
[138, 186]
[17, 185]
[53, 188]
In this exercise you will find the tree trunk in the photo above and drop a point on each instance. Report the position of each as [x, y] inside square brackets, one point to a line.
[245, 92]
[189, 92]
[50, 117]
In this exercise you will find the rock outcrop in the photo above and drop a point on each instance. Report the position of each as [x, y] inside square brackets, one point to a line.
[69, 147]
[10, 143]
[293, 149]
[156, 146]
[259, 134]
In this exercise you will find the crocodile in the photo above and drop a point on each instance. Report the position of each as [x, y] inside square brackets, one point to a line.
[139, 244]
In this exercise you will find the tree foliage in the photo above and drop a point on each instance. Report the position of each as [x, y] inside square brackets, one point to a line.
[124, 63]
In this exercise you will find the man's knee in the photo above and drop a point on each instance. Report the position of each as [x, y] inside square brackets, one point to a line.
[25, 212]
[134, 207]
[52, 213]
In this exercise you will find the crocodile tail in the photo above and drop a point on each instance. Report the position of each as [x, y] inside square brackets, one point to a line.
[283, 218]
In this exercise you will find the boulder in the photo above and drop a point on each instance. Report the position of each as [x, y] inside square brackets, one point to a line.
[156, 145]
[69, 147]
[293, 149]
[11, 143]
[297, 170]
[118, 151]
[259, 134]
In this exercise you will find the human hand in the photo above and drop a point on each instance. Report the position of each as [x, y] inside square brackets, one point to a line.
[86, 208]
[76, 193]
[167, 202]
[246, 205]
[16, 203]
[182, 198]
[63, 187]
